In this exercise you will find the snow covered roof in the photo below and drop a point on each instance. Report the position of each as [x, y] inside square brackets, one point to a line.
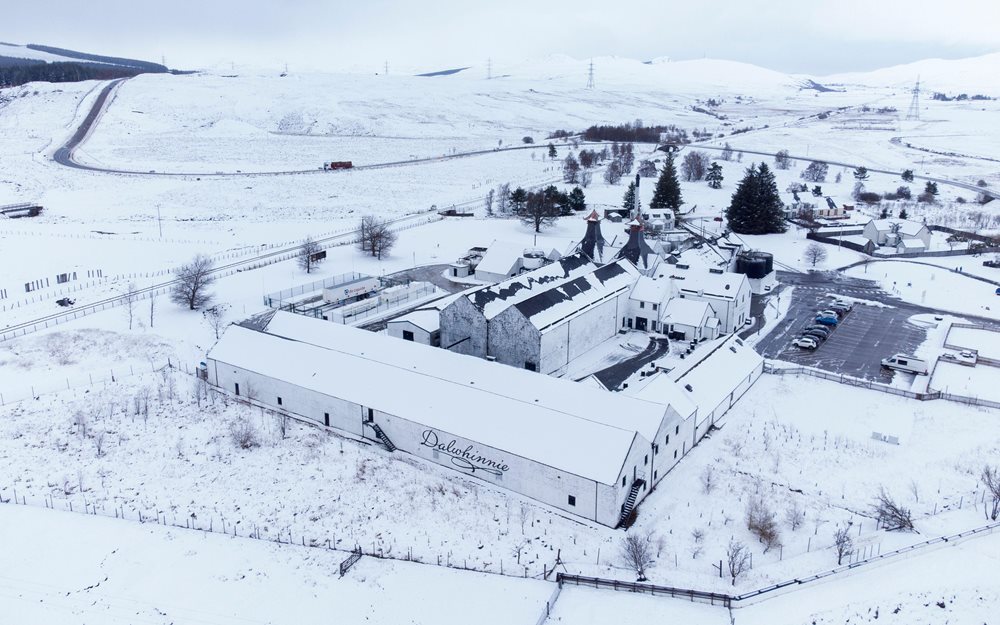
[662, 389]
[715, 375]
[725, 284]
[911, 244]
[687, 312]
[423, 318]
[492, 300]
[562, 301]
[500, 258]
[907, 227]
[647, 289]
[570, 426]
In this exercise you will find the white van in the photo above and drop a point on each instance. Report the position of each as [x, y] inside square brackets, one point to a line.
[903, 362]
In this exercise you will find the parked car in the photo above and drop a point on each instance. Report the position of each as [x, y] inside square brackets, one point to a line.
[827, 320]
[841, 309]
[828, 313]
[814, 334]
[907, 363]
[805, 342]
[826, 330]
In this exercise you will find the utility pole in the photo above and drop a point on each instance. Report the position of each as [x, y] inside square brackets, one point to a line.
[489, 69]
[590, 75]
[387, 68]
[159, 222]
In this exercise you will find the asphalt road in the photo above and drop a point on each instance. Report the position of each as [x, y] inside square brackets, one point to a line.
[613, 376]
[861, 340]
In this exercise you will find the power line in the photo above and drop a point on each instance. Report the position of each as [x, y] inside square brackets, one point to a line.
[590, 75]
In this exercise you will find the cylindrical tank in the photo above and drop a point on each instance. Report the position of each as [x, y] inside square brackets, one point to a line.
[755, 265]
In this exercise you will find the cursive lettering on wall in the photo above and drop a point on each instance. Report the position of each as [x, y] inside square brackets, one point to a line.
[466, 458]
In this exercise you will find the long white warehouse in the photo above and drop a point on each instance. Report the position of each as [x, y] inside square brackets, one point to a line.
[580, 449]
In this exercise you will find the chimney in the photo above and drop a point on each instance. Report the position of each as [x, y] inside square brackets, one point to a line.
[592, 240]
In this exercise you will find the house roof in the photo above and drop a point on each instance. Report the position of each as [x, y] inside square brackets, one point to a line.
[500, 258]
[687, 312]
[915, 244]
[725, 285]
[428, 319]
[512, 410]
[494, 299]
[906, 226]
[714, 375]
[562, 301]
[647, 289]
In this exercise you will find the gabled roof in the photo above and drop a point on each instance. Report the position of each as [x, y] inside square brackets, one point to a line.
[687, 312]
[712, 377]
[648, 289]
[564, 300]
[726, 285]
[492, 300]
[500, 258]
[906, 226]
[570, 426]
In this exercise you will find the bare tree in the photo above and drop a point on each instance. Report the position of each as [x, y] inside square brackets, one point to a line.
[637, 551]
[737, 559]
[794, 515]
[130, 298]
[815, 253]
[523, 513]
[244, 434]
[152, 308]
[761, 523]
[503, 198]
[891, 515]
[782, 160]
[991, 480]
[191, 286]
[99, 443]
[571, 169]
[215, 317]
[377, 238]
[698, 542]
[694, 165]
[727, 152]
[843, 542]
[282, 420]
[309, 254]
[708, 479]
[488, 202]
[518, 547]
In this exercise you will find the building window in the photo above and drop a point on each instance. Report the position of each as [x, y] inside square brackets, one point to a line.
[677, 430]
[654, 476]
[675, 454]
[237, 389]
[655, 306]
[279, 401]
[371, 415]
[326, 419]
[642, 304]
[530, 366]
[623, 481]
[645, 460]
[407, 335]
[667, 442]
[572, 500]
[656, 449]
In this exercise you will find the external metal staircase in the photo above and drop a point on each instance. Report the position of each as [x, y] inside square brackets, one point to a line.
[381, 436]
[629, 504]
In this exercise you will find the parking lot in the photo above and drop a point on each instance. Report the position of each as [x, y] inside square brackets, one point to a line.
[864, 336]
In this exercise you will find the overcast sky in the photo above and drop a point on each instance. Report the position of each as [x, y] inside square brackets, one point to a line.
[803, 36]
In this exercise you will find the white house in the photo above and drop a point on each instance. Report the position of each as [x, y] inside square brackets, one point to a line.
[646, 303]
[421, 326]
[502, 260]
[690, 320]
[727, 293]
[891, 231]
[580, 449]
[910, 245]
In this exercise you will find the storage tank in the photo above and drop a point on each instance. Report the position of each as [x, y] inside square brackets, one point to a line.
[755, 265]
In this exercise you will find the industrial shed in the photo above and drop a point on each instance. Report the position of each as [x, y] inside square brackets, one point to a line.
[503, 425]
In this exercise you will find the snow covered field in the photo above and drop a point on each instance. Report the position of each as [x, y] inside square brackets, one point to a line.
[983, 341]
[785, 436]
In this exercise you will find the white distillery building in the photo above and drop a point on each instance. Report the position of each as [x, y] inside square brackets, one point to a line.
[727, 293]
[577, 448]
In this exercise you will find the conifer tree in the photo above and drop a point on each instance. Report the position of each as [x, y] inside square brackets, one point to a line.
[756, 206]
[577, 200]
[714, 176]
[628, 202]
[668, 190]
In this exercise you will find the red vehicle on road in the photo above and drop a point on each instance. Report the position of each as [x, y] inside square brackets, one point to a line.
[338, 165]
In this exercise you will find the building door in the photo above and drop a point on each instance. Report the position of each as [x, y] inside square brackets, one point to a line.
[640, 324]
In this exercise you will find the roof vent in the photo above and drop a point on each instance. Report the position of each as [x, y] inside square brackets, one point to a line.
[714, 270]
[732, 349]
[689, 388]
